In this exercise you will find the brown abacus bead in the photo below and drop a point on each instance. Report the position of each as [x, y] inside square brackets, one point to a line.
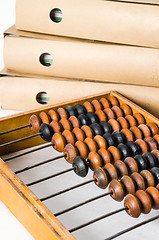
[121, 167]
[79, 134]
[129, 184]
[44, 118]
[100, 177]
[126, 109]
[156, 137]
[35, 123]
[118, 111]
[106, 155]
[82, 148]
[151, 143]
[113, 100]
[139, 180]
[54, 115]
[57, 127]
[153, 128]
[133, 205]
[105, 103]
[132, 164]
[75, 122]
[148, 177]
[110, 114]
[71, 152]
[88, 131]
[143, 145]
[114, 124]
[128, 134]
[139, 118]
[89, 107]
[66, 124]
[157, 186]
[154, 194]
[59, 142]
[156, 154]
[117, 190]
[101, 115]
[69, 137]
[131, 120]
[137, 132]
[97, 105]
[94, 160]
[101, 142]
[91, 144]
[116, 154]
[62, 113]
[123, 122]
[112, 171]
[145, 200]
[145, 130]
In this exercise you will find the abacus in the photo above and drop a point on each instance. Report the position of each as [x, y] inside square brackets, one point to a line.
[112, 146]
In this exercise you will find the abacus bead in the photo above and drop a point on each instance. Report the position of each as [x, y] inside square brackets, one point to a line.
[101, 178]
[54, 115]
[139, 118]
[71, 152]
[118, 111]
[137, 132]
[152, 161]
[110, 139]
[106, 127]
[110, 114]
[145, 130]
[101, 115]
[123, 122]
[117, 190]
[119, 136]
[125, 151]
[106, 155]
[133, 205]
[97, 105]
[80, 109]
[59, 142]
[66, 124]
[35, 123]
[143, 145]
[44, 117]
[155, 172]
[62, 113]
[101, 142]
[157, 186]
[82, 148]
[132, 164]
[112, 171]
[57, 127]
[97, 129]
[75, 122]
[121, 167]
[139, 180]
[114, 124]
[156, 154]
[128, 134]
[79, 134]
[126, 109]
[88, 106]
[154, 194]
[80, 166]
[156, 137]
[88, 131]
[46, 132]
[128, 184]
[131, 120]
[105, 103]
[71, 111]
[93, 118]
[153, 128]
[115, 153]
[94, 160]
[91, 144]
[142, 162]
[151, 143]
[145, 200]
[113, 100]
[84, 120]
[69, 137]
[148, 177]
[134, 148]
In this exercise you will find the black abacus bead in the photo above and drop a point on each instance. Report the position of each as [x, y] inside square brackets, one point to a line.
[110, 139]
[80, 166]
[124, 150]
[46, 132]
[155, 173]
[134, 148]
[84, 120]
[80, 109]
[71, 111]
[97, 129]
[92, 117]
[141, 161]
[106, 127]
[152, 160]
[119, 136]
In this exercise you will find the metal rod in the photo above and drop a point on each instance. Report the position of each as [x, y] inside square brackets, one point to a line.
[97, 219]
[67, 190]
[15, 129]
[133, 227]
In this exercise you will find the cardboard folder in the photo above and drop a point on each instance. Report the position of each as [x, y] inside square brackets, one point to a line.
[111, 21]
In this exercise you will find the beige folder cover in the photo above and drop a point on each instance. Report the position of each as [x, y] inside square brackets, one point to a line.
[112, 21]
[83, 60]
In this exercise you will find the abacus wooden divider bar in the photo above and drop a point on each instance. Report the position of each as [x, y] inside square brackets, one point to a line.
[16, 195]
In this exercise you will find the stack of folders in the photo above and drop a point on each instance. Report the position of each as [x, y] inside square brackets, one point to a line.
[65, 49]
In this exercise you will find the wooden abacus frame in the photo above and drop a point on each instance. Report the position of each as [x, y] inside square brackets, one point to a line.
[19, 199]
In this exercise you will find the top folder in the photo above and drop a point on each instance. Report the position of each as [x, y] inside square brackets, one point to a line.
[110, 21]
